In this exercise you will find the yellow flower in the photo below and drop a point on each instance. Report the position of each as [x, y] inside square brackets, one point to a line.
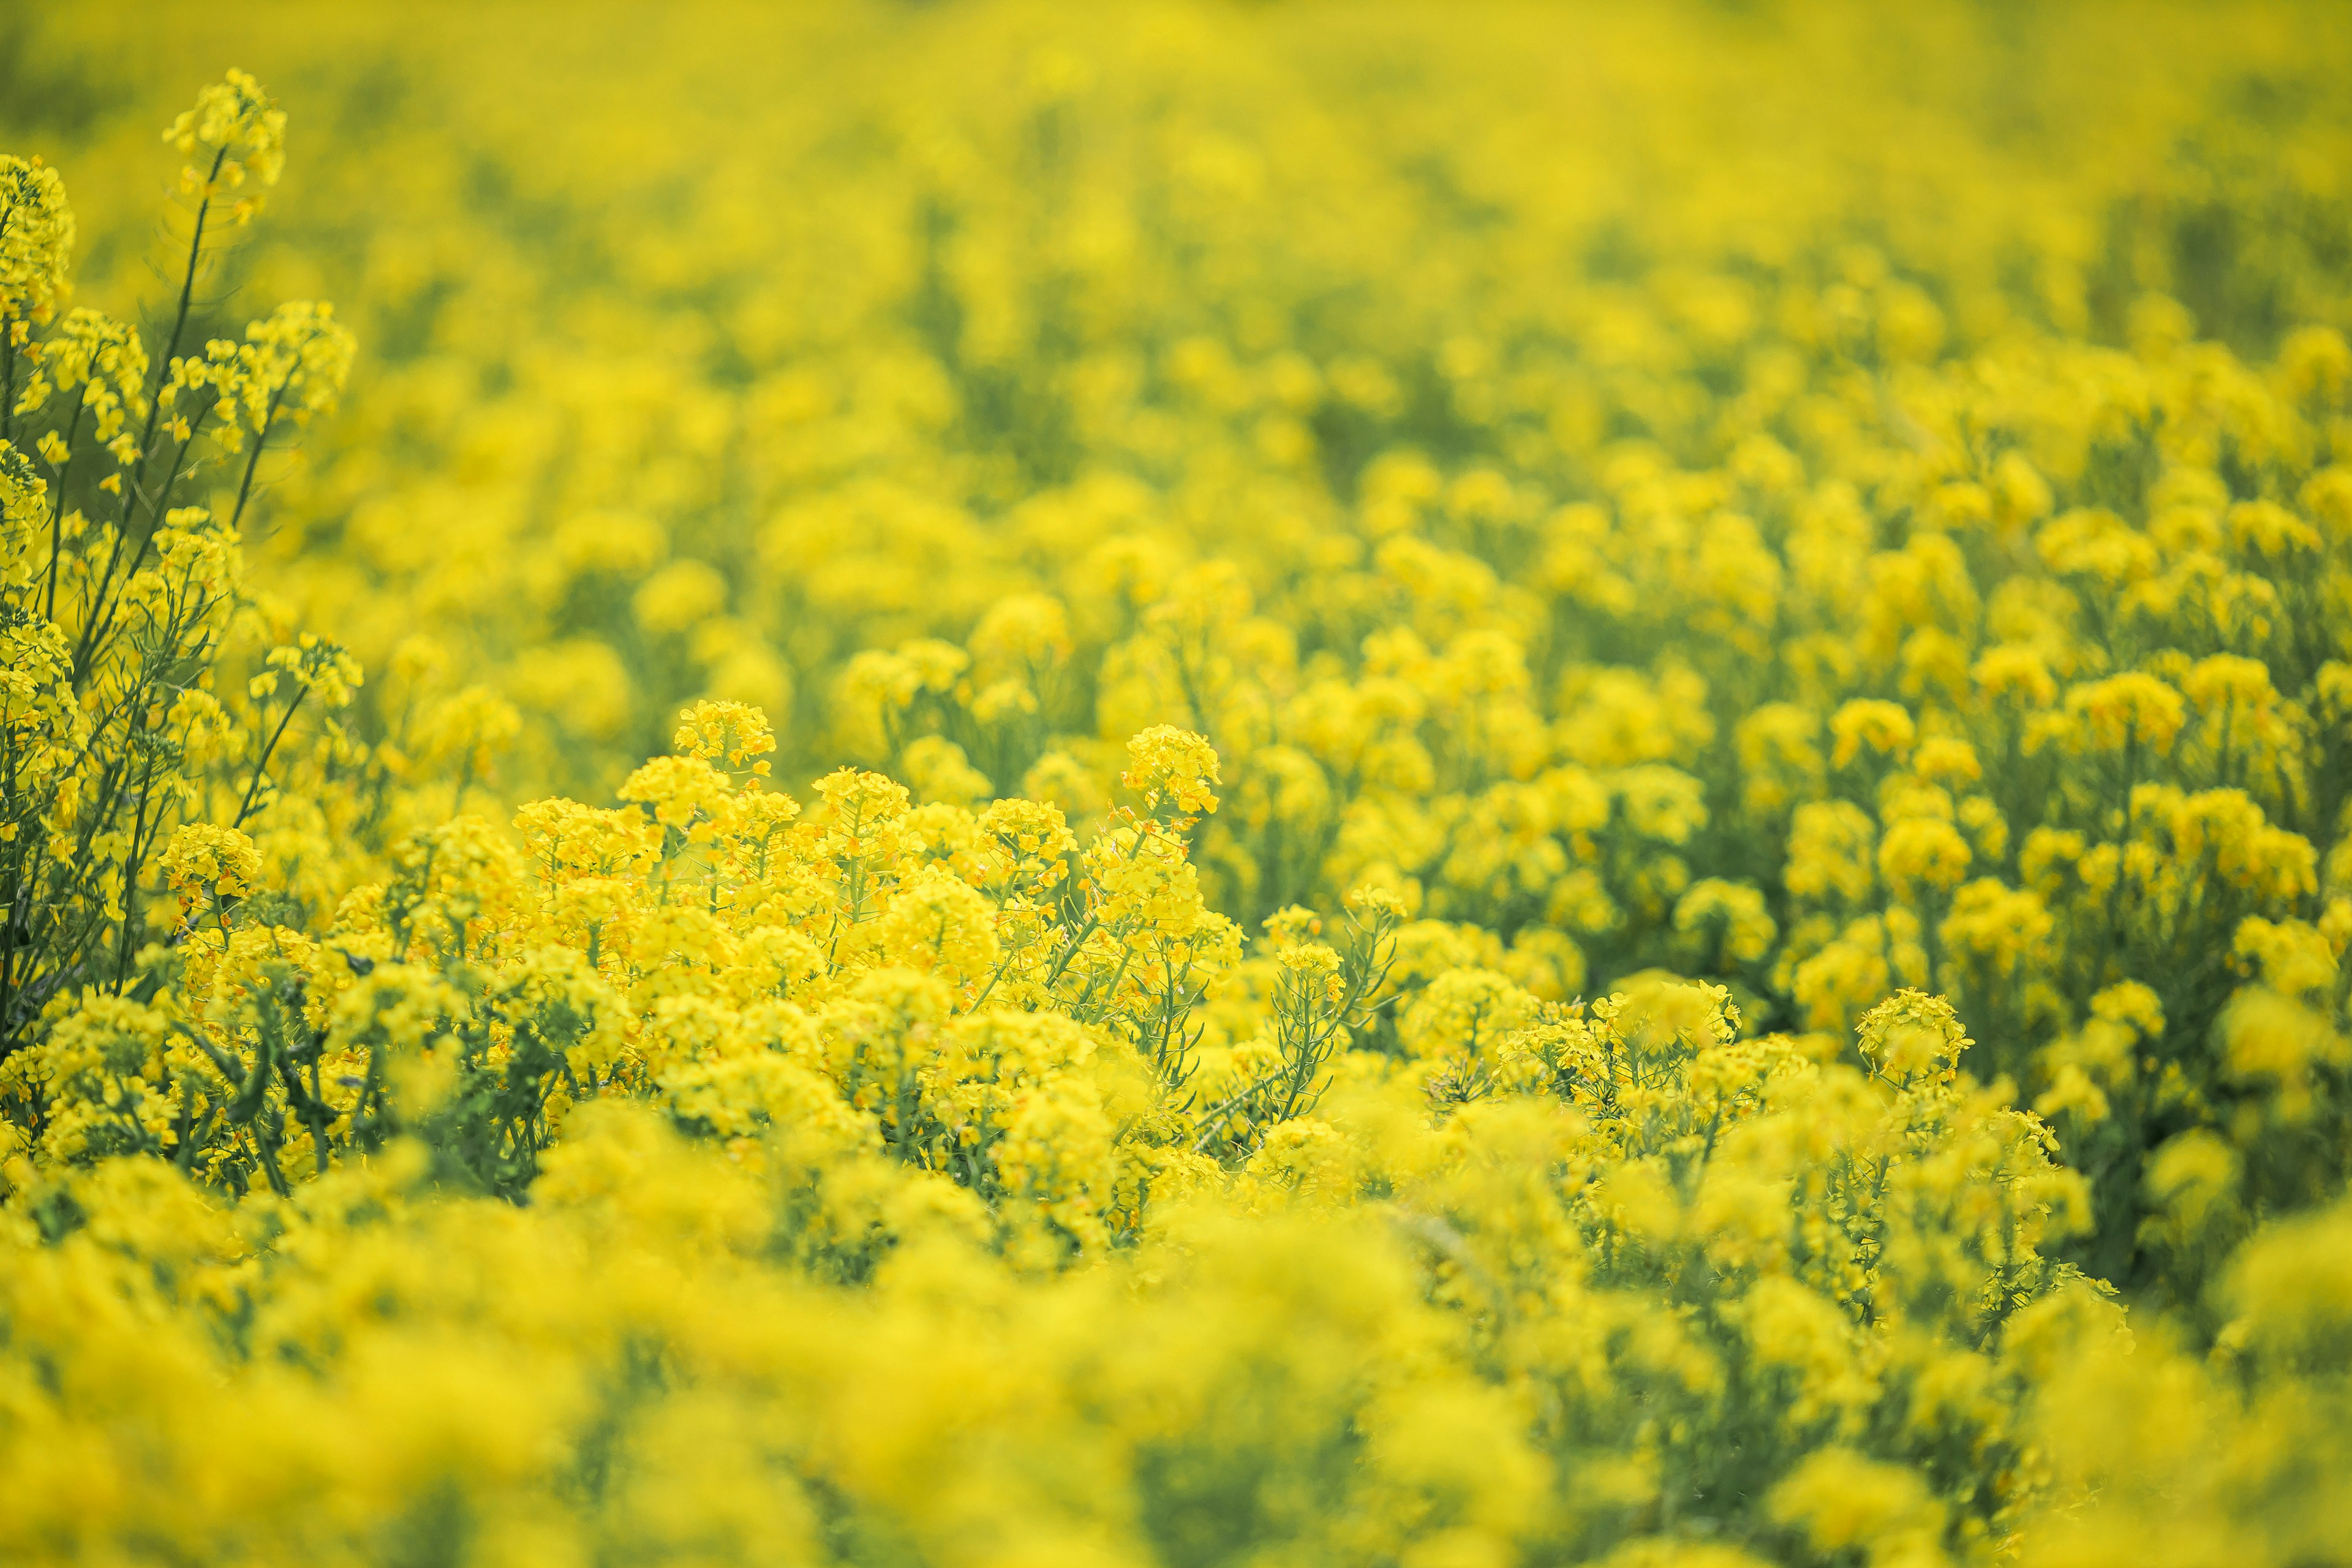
[2129, 709]
[206, 863]
[35, 244]
[235, 127]
[1173, 770]
[726, 734]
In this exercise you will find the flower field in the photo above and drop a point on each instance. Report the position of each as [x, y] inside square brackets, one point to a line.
[1005, 785]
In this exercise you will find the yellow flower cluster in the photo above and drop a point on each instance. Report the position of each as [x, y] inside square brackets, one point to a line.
[1197, 784]
[235, 127]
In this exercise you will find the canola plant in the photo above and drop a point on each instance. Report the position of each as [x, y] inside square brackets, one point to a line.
[986, 784]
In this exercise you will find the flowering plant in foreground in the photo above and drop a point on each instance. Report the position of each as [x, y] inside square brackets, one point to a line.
[1673, 900]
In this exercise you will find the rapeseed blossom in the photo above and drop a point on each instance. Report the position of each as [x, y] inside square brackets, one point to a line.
[1193, 786]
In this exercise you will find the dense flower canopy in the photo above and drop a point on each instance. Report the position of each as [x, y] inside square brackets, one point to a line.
[983, 784]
